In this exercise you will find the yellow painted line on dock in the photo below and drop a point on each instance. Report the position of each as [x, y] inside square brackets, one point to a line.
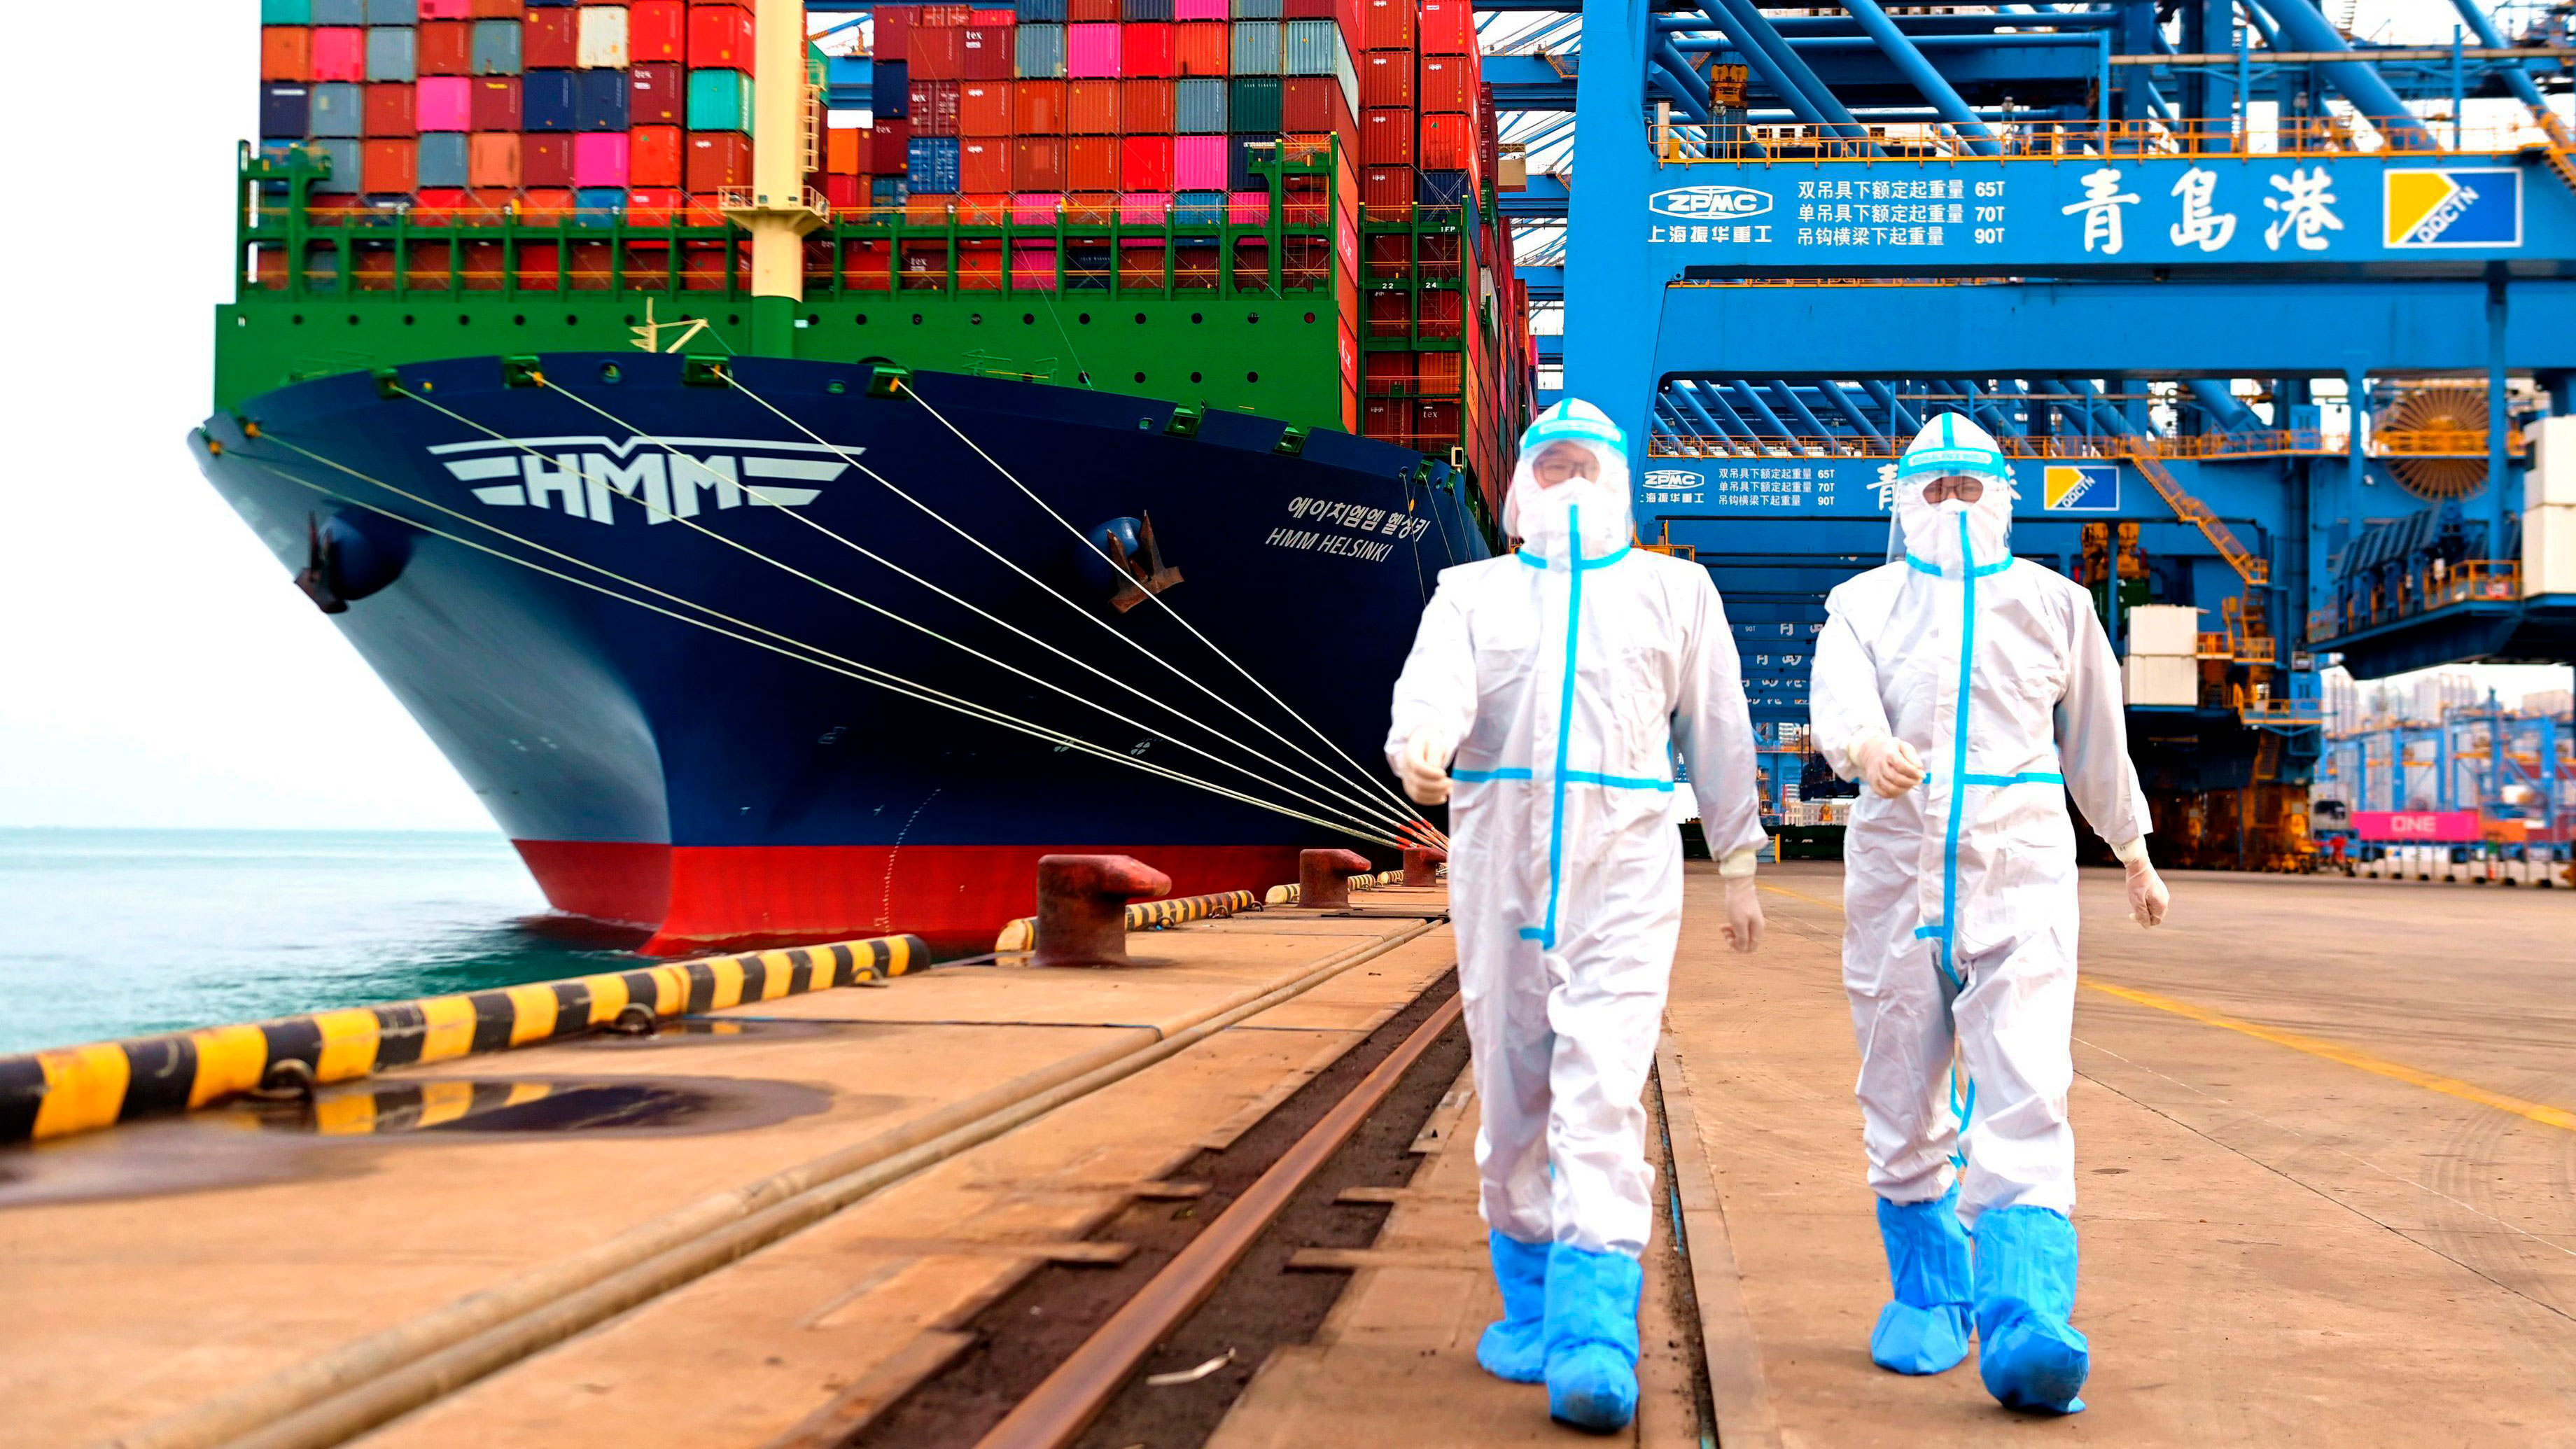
[1834, 906]
[2539, 1112]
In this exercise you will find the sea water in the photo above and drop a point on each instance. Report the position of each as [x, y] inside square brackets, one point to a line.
[107, 933]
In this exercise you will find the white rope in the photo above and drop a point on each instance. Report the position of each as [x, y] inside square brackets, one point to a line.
[1402, 821]
[1356, 824]
[1375, 820]
[1359, 770]
[814, 655]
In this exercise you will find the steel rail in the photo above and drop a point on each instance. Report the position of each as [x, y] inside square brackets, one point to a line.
[1060, 1408]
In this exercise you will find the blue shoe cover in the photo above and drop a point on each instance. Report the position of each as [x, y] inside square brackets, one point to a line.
[1592, 1338]
[1516, 1347]
[1925, 1331]
[2030, 1357]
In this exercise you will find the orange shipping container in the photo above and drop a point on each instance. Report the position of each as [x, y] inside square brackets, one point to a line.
[1091, 163]
[984, 109]
[657, 155]
[1145, 107]
[984, 164]
[1037, 164]
[492, 161]
[390, 166]
[843, 149]
[1091, 107]
[1037, 107]
[286, 53]
[1201, 49]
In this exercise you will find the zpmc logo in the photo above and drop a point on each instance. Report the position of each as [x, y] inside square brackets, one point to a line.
[2456, 206]
[1710, 203]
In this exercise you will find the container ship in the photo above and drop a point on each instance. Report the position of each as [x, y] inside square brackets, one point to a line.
[802, 462]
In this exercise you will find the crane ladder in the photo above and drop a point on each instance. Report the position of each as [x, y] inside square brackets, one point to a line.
[2249, 566]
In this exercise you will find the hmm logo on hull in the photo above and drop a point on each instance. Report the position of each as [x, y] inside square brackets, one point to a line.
[1710, 203]
[588, 477]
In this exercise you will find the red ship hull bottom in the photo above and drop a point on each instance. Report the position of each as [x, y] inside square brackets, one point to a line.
[696, 898]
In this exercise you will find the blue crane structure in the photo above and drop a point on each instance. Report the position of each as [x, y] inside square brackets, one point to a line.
[2515, 768]
[2261, 311]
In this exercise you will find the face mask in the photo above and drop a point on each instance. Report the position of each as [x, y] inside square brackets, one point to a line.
[1932, 533]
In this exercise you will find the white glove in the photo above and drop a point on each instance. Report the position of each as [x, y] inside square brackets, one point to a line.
[1888, 765]
[2148, 898]
[1743, 904]
[1423, 765]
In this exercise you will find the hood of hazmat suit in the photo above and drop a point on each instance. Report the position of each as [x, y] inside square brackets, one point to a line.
[1573, 676]
[1959, 894]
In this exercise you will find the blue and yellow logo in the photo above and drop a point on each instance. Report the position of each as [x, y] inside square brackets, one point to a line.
[2455, 206]
[2080, 488]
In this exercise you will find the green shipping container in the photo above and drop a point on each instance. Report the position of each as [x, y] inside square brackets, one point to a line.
[1252, 106]
[720, 100]
[285, 12]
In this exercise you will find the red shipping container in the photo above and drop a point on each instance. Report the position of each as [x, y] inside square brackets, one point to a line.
[845, 151]
[390, 111]
[445, 9]
[653, 206]
[657, 155]
[657, 30]
[657, 94]
[1386, 78]
[1037, 164]
[446, 47]
[983, 109]
[1091, 163]
[389, 166]
[1147, 49]
[1093, 12]
[890, 148]
[550, 40]
[496, 103]
[1441, 313]
[893, 32]
[286, 53]
[1091, 109]
[545, 158]
[1448, 142]
[1311, 10]
[1145, 109]
[1386, 139]
[1387, 191]
[720, 38]
[496, 9]
[1145, 163]
[987, 52]
[984, 164]
[492, 161]
[717, 159]
[938, 52]
[1311, 103]
[1448, 83]
[1387, 24]
[1201, 49]
[339, 54]
[1447, 27]
[845, 193]
[950, 15]
[934, 108]
[1037, 107]
[992, 17]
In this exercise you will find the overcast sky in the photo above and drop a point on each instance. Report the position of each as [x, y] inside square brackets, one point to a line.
[157, 667]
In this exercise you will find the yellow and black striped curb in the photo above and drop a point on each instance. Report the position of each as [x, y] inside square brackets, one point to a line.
[1022, 934]
[73, 1089]
[1287, 895]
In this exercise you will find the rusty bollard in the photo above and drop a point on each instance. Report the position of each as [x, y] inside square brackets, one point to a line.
[1324, 877]
[1422, 865]
[1082, 907]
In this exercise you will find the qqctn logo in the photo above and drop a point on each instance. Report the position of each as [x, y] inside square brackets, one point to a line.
[1710, 203]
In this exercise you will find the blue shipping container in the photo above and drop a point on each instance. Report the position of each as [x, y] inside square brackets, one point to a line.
[888, 191]
[598, 205]
[719, 100]
[342, 153]
[1145, 10]
[442, 159]
[599, 100]
[1039, 52]
[546, 101]
[339, 110]
[1044, 12]
[1198, 208]
[1442, 188]
[1198, 107]
[496, 47]
[393, 12]
[393, 54]
[285, 12]
[339, 12]
[890, 90]
[285, 110]
[931, 165]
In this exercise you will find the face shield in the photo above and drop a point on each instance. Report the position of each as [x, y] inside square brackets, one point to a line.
[1954, 497]
[1570, 485]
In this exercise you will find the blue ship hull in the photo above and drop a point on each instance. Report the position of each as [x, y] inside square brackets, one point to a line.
[696, 784]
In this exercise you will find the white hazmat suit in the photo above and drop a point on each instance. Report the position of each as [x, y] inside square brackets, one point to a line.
[1565, 678]
[1974, 692]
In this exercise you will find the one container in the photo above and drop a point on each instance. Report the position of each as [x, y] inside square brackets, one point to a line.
[1146, 11]
[1037, 109]
[1091, 51]
[339, 12]
[718, 159]
[988, 51]
[1444, 188]
[599, 100]
[889, 148]
[657, 94]
[393, 12]
[499, 103]
[1146, 50]
[1386, 78]
[1198, 163]
[1145, 109]
[602, 37]
[341, 152]
[1040, 12]
[1033, 268]
[391, 110]
[934, 107]
[1092, 12]
[1386, 138]
[720, 37]
[1308, 47]
[1198, 107]
[1186, 10]
[600, 159]
[1037, 52]
[598, 205]
[339, 54]
[1145, 208]
[1253, 105]
[285, 111]
[286, 53]
[446, 104]
[890, 89]
[498, 47]
[930, 163]
[894, 32]
[1448, 142]
[1387, 191]
[545, 159]
[658, 155]
[657, 30]
[1257, 10]
[1256, 47]
[444, 160]
[1314, 103]
[550, 39]
[492, 161]
[1202, 50]
[1037, 164]
[1145, 163]
[937, 52]
[1243, 154]
[1091, 107]
[547, 100]
[885, 191]
[719, 100]
[446, 48]
[446, 10]
[983, 109]
[285, 12]
[1448, 84]
[389, 168]
[393, 55]
[1387, 24]
[983, 164]
[1091, 163]
[1198, 208]
[1447, 27]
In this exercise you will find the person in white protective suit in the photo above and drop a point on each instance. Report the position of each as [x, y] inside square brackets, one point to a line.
[1972, 692]
[1564, 679]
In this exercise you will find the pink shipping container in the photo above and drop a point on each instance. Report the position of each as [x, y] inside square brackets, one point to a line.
[599, 158]
[446, 9]
[1033, 268]
[339, 53]
[446, 103]
[1144, 208]
[1248, 208]
[1198, 163]
[1201, 10]
[1036, 208]
[1091, 51]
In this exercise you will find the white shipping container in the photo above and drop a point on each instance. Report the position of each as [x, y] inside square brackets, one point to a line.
[602, 38]
[2167, 630]
[2159, 679]
[2550, 481]
[2549, 550]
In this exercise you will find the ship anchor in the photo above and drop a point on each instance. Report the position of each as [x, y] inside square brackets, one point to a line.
[1147, 575]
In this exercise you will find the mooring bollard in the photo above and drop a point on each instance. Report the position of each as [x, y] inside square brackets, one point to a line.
[1422, 865]
[1324, 877]
[1082, 907]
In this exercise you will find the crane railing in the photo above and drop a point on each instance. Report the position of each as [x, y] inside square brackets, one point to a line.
[2075, 447]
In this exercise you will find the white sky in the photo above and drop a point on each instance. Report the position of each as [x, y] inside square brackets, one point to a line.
[157, 668]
